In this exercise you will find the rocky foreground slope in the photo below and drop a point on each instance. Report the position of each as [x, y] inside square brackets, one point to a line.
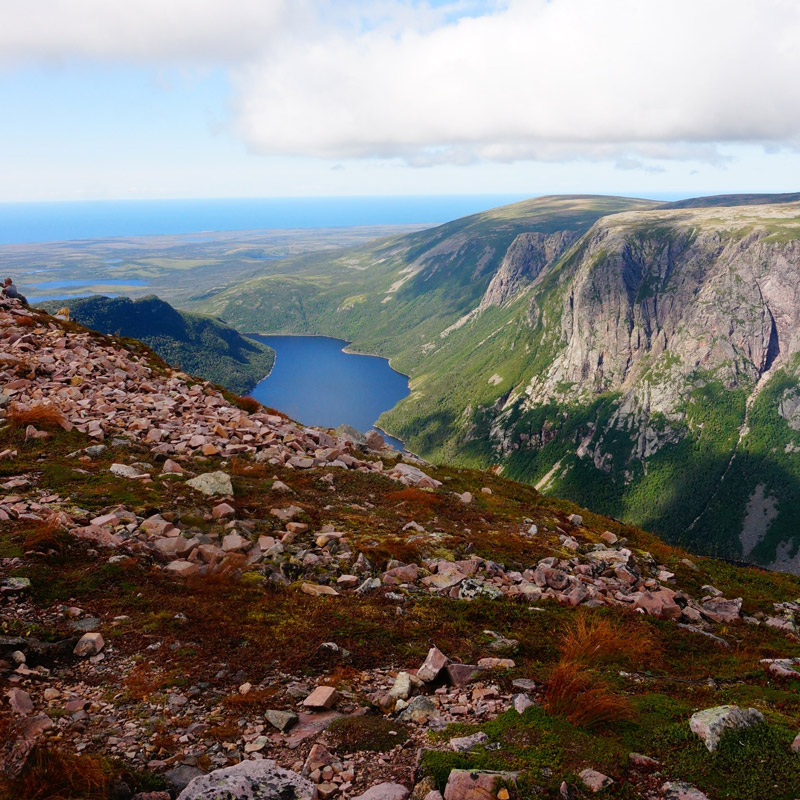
[198, 597]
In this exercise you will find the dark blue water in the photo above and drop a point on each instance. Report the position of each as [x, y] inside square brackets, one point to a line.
[53, 222]
[316, 383]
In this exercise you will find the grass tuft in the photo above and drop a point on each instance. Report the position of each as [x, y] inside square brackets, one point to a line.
[40, 415]
[248, 404]
[371, 733]
[584, 700]
[54, 774]
[592, 640]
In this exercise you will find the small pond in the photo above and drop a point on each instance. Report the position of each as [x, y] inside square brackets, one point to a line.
[315, 382]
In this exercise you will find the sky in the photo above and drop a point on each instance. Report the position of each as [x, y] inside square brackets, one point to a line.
[104, 99]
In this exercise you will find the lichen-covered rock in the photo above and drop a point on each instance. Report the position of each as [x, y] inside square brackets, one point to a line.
[419, 710]
[90, 644]
[463, 744]
[212, 483]
[677, 790]
[250, 780]
[595, 781]
[711, 723]
[464, 784]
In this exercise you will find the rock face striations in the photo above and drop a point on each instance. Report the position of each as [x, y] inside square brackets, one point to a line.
[668, 350]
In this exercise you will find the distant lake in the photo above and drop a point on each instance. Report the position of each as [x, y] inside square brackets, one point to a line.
[316, 383]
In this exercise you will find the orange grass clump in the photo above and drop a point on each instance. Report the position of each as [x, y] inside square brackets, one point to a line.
[574, 689]
[46, 535]
[592, 641]
[248, 404]
[52, 774]
[584, 701]
[40, 416]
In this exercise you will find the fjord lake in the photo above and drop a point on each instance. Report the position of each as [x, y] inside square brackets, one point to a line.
[315, 382]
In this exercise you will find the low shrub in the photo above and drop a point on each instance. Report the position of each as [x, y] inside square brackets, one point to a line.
[46, 535]
[54, 774]
[248, 404]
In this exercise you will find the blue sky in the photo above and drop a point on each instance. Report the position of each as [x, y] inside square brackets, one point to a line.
[261, 98]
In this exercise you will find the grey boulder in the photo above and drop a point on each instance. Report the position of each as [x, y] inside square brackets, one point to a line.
[711, 723]
[250, 780]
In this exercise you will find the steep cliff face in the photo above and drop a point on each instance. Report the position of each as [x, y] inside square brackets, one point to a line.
[524, 261]
[707, 295]
[666, 382]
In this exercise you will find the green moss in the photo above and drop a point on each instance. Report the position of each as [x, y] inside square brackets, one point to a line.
[752, 764]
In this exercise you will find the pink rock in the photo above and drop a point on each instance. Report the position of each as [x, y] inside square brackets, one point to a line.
[174, 548]
[172, 468]
[462, 674]
[782, 667]
[89, 644]
[20, 702]
[209, 553]
[434, 663]
[318, 590]
[658, 604]
[158, 526]
[642, 761]
[234, 542]
[106, 519]
[521, 703]
[718, 609]
[323, 697]
[405, 574]
[795, 745]
[183, 569]
[465, 784]
[385, 791]
[496, 663]
[318, 757]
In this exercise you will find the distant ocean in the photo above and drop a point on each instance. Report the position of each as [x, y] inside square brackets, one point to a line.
[51, 222]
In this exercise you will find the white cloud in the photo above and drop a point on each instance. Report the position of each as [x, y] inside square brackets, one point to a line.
[536, 80]
[546, 80]
[145, 31]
